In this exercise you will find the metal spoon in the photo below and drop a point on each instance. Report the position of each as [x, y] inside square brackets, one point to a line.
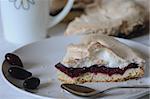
[88, 92]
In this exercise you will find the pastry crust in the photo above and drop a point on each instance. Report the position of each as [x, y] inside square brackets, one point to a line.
[119, 16]
[91, 77]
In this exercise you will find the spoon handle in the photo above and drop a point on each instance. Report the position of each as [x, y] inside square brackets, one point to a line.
[120, 87]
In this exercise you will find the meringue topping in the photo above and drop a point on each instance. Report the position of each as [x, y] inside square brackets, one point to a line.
[100, 50]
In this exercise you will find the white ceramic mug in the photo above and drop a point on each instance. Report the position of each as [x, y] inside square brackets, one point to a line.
[26, 21]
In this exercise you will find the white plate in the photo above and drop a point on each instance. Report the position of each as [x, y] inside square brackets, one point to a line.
[40, 58]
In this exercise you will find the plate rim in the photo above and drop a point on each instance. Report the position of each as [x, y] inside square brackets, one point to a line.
[45, 97]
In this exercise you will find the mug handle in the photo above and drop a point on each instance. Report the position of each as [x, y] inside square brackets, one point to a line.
[54, 20]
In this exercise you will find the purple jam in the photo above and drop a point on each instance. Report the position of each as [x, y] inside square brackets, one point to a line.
[75, 72]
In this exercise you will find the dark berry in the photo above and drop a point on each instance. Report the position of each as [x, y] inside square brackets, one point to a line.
[31, 83]
[19, 73]
[13, 59]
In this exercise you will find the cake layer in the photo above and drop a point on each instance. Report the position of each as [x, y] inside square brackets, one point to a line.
[75, 72]
[100, 77]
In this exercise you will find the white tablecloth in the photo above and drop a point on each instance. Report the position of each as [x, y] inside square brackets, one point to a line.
[6, 92]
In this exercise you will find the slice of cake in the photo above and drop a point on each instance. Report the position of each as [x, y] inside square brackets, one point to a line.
[99, 58]
[117, 18]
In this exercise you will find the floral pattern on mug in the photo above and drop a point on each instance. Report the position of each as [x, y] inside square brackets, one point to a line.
[25, 4]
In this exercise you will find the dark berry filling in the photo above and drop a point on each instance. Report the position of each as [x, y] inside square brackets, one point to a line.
[138, 30]
[75, 72]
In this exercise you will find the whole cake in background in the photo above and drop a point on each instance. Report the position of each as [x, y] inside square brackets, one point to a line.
[117, 18]
[99, 58]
